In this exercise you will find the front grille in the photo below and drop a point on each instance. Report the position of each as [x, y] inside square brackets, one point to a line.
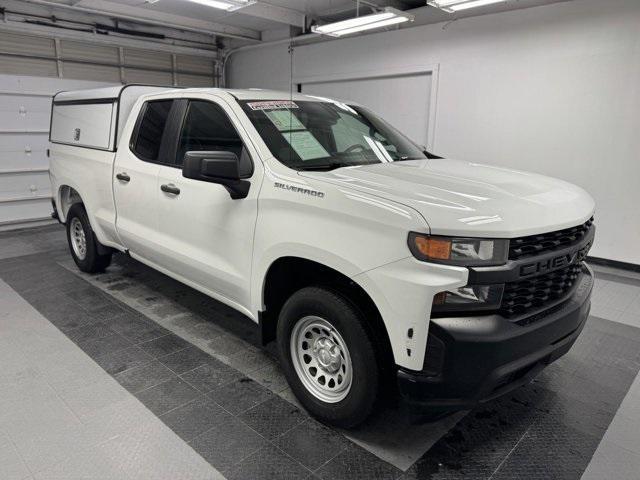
[547, 242]
[525, 295]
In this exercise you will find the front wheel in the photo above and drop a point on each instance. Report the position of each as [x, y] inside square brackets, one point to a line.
[83, 243]
[328, 356]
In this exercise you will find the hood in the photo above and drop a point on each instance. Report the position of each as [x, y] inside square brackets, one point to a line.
[463, 198]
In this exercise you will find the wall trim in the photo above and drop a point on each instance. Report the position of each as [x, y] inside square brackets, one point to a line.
[23, 171]
[605, 262]
[26, 224]
[25, 199]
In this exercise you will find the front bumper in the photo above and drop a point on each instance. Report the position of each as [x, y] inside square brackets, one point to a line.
[488, 356]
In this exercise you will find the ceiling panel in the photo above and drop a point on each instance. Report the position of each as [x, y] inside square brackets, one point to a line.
[189, 9]
[260, 17]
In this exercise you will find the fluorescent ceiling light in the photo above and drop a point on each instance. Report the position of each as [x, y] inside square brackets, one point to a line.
[228, 5]
[389, 16]
[457, 5]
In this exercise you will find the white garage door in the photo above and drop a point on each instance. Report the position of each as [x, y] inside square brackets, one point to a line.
[403, 100]
[25, 105]
[32, 69]
[65, 58]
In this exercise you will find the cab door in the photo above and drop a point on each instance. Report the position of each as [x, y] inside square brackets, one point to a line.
[205, 236]
[135, 178]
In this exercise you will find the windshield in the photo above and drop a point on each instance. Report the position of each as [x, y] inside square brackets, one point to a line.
[314, 135]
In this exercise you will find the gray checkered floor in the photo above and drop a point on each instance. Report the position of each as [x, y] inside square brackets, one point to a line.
[192, 368]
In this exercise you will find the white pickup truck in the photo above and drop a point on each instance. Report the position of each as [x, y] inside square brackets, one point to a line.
[375, 265]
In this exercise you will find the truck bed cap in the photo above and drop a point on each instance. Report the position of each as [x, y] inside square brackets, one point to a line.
[97, 115]
[104, 94]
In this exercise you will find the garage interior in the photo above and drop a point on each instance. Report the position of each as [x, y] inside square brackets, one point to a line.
[130, 374]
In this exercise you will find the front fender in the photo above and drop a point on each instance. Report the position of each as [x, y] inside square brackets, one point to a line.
[297, 250]
[347, 231]
[403, 291]
[363, 237]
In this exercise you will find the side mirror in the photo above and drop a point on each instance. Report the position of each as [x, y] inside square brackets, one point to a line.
[216, 167]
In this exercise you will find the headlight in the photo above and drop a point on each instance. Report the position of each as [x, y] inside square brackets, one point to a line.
[467, 252]
[469, 297]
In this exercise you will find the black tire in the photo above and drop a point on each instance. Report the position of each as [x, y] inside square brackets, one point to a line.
[92, 261]
[349, 322]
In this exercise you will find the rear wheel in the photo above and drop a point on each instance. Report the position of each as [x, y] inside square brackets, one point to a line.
[83, 244]
[328, 356]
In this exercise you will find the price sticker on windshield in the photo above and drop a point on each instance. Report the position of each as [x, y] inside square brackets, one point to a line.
[284, 120]
[306, 145]
[272, 104]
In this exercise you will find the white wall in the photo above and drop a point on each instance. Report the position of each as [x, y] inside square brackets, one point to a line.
[552, 89]
[409, 115]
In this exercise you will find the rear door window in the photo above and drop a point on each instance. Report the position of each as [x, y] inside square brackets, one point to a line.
[150, 131]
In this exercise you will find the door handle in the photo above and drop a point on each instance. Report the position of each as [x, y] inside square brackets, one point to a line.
[170, 188]
[123, 177]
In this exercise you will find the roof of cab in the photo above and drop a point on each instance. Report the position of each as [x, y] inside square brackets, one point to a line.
[260, 94]
[113, 93]
[255, 94]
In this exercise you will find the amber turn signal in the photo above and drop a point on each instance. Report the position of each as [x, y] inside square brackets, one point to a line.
[465, 252]
[433, 248]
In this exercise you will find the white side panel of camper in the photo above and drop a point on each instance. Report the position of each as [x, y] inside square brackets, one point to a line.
[85, 125]
[103, 113]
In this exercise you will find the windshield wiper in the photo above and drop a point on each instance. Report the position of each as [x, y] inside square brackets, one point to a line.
[321, 167]
[332, 165]
[431, 155]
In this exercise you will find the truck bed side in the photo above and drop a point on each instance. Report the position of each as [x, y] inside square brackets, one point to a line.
[86, 172]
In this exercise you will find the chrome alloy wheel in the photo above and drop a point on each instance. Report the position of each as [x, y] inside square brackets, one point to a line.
[78, 239]
[321, 359]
